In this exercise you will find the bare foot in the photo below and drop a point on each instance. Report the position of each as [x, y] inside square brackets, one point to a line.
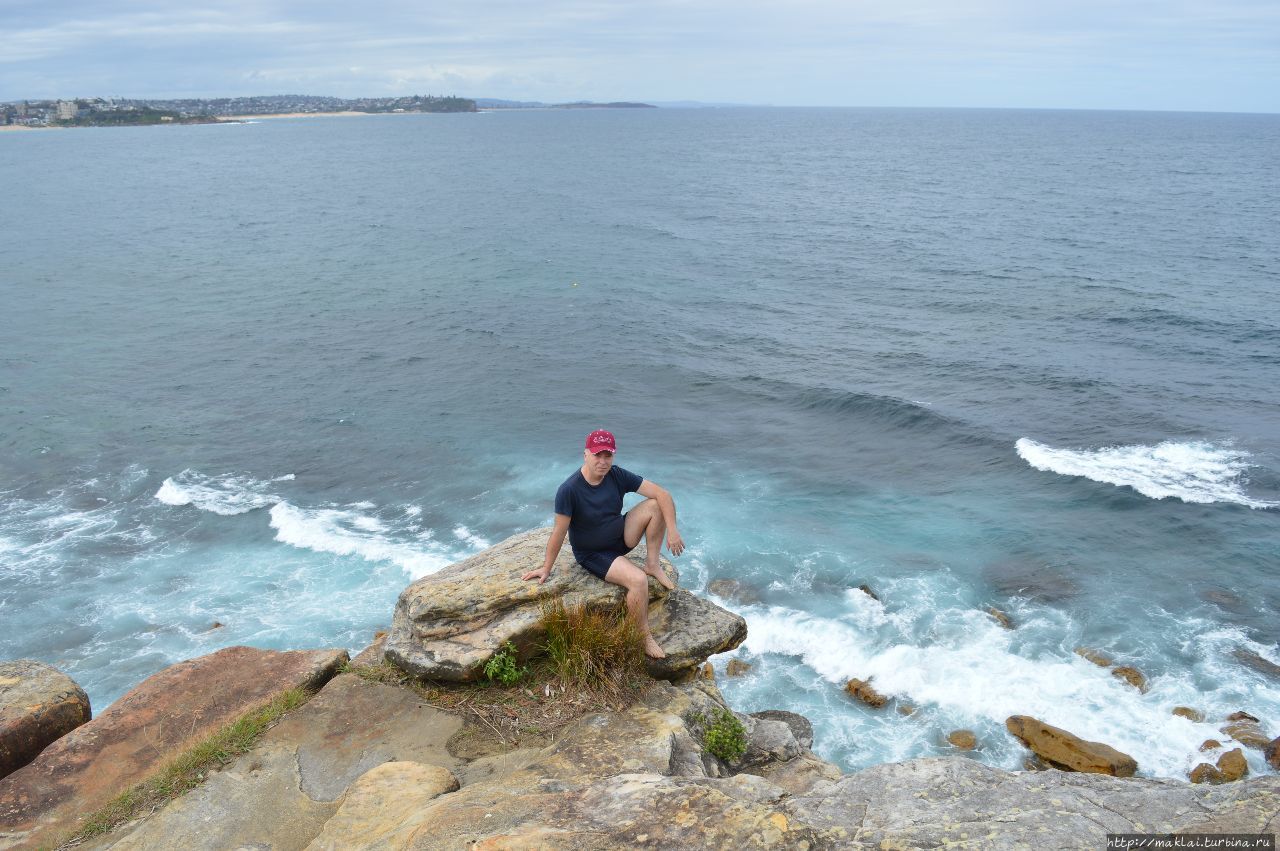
[652, 649]
[661, 575]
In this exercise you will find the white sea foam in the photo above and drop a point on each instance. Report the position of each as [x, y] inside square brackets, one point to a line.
[462, 533]
[349, 532]
[226, 495]
[977, 675]
[1194, 471]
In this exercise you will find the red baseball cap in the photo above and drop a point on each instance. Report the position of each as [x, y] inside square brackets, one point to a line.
[600, 441]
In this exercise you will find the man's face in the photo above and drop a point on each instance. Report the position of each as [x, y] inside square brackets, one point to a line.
[600, 462]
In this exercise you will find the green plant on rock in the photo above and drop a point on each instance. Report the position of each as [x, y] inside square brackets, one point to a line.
[502, 667]
[723, 735]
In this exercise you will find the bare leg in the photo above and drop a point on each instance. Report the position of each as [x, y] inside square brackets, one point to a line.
[646, 519]
[623, 572]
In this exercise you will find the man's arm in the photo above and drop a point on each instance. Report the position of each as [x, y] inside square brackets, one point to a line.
[667, 506]
[553, 550]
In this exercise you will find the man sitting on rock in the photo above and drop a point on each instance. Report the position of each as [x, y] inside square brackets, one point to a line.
[589, 510]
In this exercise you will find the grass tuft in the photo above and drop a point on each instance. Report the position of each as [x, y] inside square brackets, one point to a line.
[596, 652]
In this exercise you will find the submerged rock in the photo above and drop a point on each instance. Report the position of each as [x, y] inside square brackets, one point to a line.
[1188, 713]
[448, 624]
[38, 705]
[1097, 657]
[1068, 751]
[1252, 660]
[1132, 676]
[734, 590]
[1001, 618]
[1246, 730]
[736, 668]
[965, 740]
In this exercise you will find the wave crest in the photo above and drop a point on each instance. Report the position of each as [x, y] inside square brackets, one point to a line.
[1192, 471]
[225, 495]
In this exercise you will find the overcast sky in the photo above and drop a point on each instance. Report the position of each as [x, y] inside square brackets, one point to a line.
[1112, 54]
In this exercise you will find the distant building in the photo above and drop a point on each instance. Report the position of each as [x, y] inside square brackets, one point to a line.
[66, 110]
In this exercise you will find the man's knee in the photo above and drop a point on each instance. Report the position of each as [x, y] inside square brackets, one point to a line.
[651, 509]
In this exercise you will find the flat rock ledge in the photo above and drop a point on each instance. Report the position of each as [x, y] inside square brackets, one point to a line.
[448, 624]
[362, 766]
[38, 706]
[164, 715]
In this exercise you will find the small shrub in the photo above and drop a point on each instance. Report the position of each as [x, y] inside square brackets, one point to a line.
[724, 736]
[593, 651]
[502, 667]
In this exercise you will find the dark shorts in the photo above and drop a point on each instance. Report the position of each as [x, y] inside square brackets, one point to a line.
[597, 561]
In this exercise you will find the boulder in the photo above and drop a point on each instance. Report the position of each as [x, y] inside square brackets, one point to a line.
[1246, 730]
[141, 732]
[381, 807]
[1097, 657]
[1210, 745]
[1001, 618]
[690, 629]
[1205, 773]
[965, 740]
[38, 705]
[1132, 676]
[1188, 713]
[448, 624]
[1233, 766]
[906, 708]
[733, 590]
[801, 727]
[736, 668]
[862, 690]
[1065, 750]
[1252, 660]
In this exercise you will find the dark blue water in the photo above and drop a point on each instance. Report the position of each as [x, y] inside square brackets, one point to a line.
[264, 375]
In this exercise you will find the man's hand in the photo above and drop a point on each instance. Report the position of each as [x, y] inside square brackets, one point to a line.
[540, 574]
[675, 543]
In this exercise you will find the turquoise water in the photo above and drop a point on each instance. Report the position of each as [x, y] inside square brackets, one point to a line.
[265, 375]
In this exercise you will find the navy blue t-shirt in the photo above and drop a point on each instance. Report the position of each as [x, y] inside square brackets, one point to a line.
[595, 513]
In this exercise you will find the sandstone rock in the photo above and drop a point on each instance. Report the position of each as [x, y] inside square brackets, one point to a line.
[1187, 712]
[707, 672]
[801, 727]
[165, 715]
[1246, 730]
[799, 776]
[1233, 766]
[965, 740]
[381, 808]
[1097, 657]
[1210, 745]
[768, 740]
[1065, 750]
[38, 705]
[690, 629]
[1257, 663]
[1205, 773]
[448, 624]
[866, 589]
[735, 591]
[736, 668]
[1132, 676]
[862, 690]
[1272, 753]
[906, 709]
[1001, 618]
[371, 655]
[281, 794]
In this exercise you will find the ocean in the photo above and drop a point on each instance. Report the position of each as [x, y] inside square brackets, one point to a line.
[265, 375]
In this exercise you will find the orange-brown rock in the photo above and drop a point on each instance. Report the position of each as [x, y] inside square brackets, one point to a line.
[1068, 751]
[1097, 657]
[38, 705]
[1232, 764]
[707, 672]
[906, 709]
[862, 690]
[137, 735]
[1246, 730]
[965, 740]
[736, 668]
[1272, 753]
[1210, 745]
[1205, 773]
[1002, 618]
[1189, 713]
[1132, 676]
